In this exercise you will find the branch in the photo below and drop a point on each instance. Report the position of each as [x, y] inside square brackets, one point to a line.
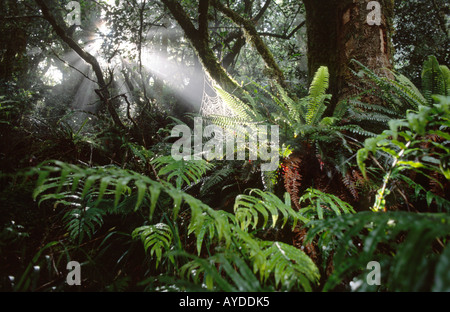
[252, 35]
[73, 67]
[201, 46]
[284, 36]
[240, 42]
[103, 92]
[203, 7]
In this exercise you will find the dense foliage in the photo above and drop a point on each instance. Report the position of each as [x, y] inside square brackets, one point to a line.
[87, 172]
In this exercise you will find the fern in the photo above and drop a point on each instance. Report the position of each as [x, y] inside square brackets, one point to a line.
[120, 186]
[408, 146]
[290, 107]
[158, 237]
[401, 242]
[317, 96]
[215, 178]
[81, 222]
[234, 274]
[318, 201]
[399, 95]
[6, 110]
[188, 172]
[435, 79]
[247, 209]
[289, 266]
[241, 109]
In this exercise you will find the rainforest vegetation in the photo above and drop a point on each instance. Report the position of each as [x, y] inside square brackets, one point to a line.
[350, 100]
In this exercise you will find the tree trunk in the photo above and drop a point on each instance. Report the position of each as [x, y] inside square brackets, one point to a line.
[338, 31]
[199, 39]
[102, 92]
[249, 29]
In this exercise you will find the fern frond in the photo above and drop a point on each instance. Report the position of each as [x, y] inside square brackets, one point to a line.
[320, 82]
[214, 179]
[83, 222]
[158, 237]
[317, 96]
[293, 108]
[189, 172]
[354, 129]
[318, 201]
[247, 209]
[289, 265]
[435, 79]
[227, 121]
[395, 89]
[241, 109]
[403, 235]
[366, 107]
[233, 273]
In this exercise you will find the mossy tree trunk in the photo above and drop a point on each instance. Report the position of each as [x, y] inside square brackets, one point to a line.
[338, 31]
[199, 38]
[249, 28]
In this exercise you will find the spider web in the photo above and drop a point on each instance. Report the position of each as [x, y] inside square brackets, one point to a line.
[212, 103]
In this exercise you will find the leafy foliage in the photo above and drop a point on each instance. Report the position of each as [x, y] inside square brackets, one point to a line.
[399, 94]
[435, 79]
[418, 144]
[158, 237]
[118, 187]
[320, 201]
[403, 243]
[247, 209]
[80, 222]
[136, 219]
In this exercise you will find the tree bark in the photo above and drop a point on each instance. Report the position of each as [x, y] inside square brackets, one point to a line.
[338, 32]
[199, 39]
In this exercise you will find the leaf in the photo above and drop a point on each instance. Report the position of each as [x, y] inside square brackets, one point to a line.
[441, 275]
